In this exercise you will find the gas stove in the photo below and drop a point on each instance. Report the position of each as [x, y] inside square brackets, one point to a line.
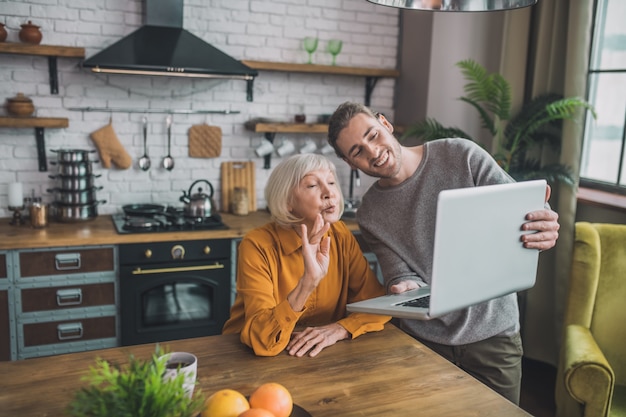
[171, 219]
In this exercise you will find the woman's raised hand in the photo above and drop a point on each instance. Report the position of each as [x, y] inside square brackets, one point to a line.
[316, 250]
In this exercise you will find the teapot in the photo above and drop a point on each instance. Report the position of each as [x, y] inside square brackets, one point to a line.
[198, 205]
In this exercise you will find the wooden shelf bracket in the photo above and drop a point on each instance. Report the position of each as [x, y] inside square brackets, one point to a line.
[53, 75]
[41, 149]
[370, 83]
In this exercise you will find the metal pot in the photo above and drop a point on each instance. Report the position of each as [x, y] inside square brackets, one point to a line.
[75, 197]
[68, 213]
[72, 155]
[198, 205]
[74, 168]
[71, 183]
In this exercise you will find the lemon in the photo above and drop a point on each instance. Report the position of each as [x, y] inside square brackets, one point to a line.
[225, 403]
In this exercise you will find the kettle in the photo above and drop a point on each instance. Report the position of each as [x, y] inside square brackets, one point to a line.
[198, 205]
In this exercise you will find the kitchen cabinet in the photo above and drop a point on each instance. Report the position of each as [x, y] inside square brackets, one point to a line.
[65, 300]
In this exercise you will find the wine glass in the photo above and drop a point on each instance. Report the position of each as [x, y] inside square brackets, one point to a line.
[334, 47]
[310, 45]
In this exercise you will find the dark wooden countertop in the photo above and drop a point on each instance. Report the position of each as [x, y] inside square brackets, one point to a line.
[101, 231]
[385, 373]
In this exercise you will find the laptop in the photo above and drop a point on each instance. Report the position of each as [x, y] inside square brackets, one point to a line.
[477, 254]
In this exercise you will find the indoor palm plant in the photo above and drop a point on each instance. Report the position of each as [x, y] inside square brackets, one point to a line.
[518, 140]
[135, 390]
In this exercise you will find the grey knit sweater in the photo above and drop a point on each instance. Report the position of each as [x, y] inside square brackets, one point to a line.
[399, 224]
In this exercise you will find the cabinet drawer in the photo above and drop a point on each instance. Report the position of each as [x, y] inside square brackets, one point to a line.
[67, 331]
[72, 296]
[66, 262]
[3, 266]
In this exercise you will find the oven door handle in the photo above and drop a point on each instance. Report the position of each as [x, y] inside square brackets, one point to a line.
[139, 271]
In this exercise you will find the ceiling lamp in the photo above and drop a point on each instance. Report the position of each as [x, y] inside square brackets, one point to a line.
[457, 5]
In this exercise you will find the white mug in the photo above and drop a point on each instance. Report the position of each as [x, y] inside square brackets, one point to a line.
[186, 363]
[308, 147]
[265, 148]
[326, 149]
[285, 148]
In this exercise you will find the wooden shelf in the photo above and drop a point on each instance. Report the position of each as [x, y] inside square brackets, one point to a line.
[50, 51]
[322, 69]
[287, 127]
[372, 75]
[41, 50]
[39, 123]
[22, 122]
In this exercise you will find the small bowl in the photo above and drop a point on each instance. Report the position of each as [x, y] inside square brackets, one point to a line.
[20, 106]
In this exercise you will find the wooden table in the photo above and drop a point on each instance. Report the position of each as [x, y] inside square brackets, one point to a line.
[378, 374]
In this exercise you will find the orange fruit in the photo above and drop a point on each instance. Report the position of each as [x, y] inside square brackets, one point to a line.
[256, 412]
[225, 403]
[273, 397]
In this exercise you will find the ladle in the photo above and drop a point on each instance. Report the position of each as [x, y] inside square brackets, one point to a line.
[168, 161]
[144, 161]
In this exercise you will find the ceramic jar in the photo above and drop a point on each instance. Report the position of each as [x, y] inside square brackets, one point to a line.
[20, 106]
[3, 33]
[30, 33]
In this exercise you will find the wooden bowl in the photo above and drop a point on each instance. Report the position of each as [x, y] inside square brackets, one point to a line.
[20, 106]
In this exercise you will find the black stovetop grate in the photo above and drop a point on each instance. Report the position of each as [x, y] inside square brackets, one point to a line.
[171, 220]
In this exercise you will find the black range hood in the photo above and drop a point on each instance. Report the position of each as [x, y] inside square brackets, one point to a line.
[161, 47]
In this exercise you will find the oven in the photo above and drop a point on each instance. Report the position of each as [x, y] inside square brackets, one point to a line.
[173, 290]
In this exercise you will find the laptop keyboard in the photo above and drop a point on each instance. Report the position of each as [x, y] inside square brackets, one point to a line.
[422, 302]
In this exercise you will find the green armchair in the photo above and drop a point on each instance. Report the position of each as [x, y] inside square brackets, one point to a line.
[591, 374]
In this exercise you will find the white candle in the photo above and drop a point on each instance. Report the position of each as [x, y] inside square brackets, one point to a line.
[16, 198]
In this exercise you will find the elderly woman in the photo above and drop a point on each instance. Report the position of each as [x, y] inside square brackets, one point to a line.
[302, 268]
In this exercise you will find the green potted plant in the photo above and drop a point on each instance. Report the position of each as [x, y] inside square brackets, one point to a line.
[135, 390]
[517, 139]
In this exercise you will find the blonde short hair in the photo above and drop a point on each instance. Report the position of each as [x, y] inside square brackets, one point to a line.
[285, 178]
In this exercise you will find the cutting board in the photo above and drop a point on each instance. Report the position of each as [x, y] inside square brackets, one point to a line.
[238, 174]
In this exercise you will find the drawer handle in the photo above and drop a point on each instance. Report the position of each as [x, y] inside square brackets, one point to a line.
[70, 331]
[71, 297]
[67, 261]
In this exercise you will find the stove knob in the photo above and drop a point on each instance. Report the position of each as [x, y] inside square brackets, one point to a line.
[178, 252]
[148, 253]
[207, 250]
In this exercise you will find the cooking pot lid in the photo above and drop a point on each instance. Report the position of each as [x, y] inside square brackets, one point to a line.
[143, 209]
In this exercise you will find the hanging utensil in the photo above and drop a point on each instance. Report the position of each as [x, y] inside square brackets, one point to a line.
[144, 161]
[168, 161]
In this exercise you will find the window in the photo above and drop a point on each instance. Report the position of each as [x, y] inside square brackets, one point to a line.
[603, 162]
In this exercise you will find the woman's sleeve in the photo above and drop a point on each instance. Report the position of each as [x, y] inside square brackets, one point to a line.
[362, 285]
[268, 323]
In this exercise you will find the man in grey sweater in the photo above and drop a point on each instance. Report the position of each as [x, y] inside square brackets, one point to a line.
[397, 219]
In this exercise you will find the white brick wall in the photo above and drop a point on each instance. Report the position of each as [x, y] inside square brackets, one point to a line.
[268, 30]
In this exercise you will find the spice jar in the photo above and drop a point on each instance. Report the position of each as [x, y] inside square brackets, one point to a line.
[30, 33]
[240, 204]
[38, 215]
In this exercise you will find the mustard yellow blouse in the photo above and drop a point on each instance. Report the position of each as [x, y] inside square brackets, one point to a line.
[270, 264]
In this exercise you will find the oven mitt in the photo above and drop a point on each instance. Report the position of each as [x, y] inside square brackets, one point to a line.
[110, 148]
